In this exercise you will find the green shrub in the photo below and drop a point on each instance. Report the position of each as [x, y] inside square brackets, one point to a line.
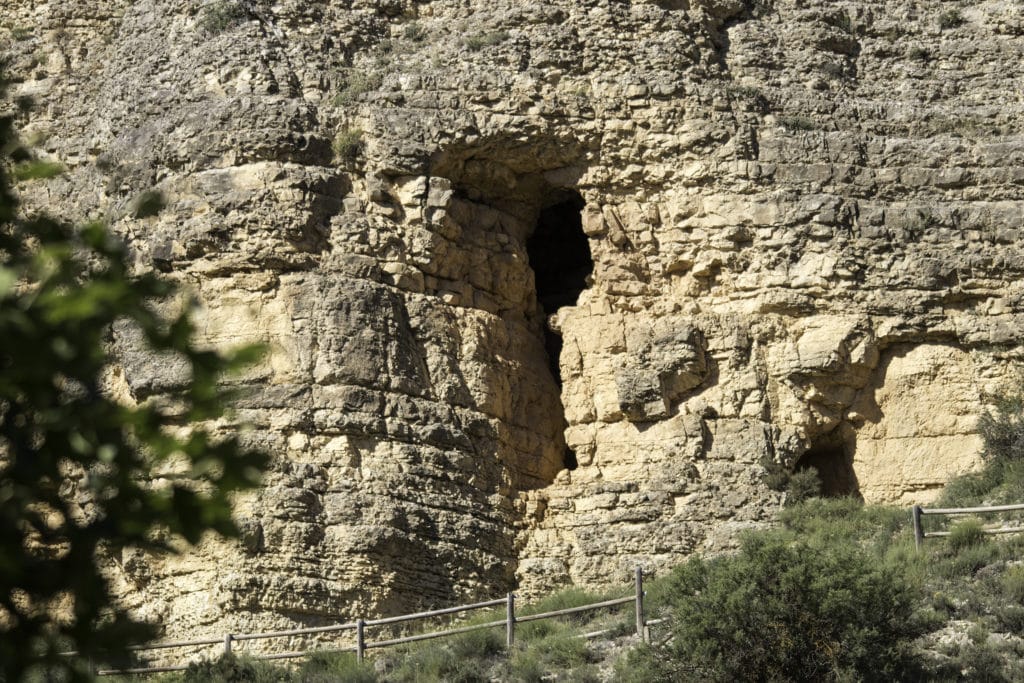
[776, 475]
[1010, 618]
[148, 204]
[563, 651]
[37, 170]
[1001, 480]
[414, 32]
[830, 520]
[540, 659]
[971, 489]
[525, 667]
[356, 83]
[803, 485]
[232, 668]
[1002, 429]
[335, 667]
[919, 54]
[476, 43]
[219, 16]
[348, 144]
[968, 560]
[464, 659]
[795, 123]
[1013, 585]
[566, 598]
[799, 486]
[966, 534]
[787, 610]
[940, 602]
[481, 643]
[979, 661]
[950, 19]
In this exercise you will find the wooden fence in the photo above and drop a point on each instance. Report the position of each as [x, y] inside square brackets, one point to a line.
[362, 644]
[920, 534]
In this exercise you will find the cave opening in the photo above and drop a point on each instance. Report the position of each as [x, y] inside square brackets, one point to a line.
[831, 456]
[559, 255]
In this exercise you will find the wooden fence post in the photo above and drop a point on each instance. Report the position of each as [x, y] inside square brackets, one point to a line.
[360, 642]
[918, 530]
[639, 581]
[510, 621]
[227, 643]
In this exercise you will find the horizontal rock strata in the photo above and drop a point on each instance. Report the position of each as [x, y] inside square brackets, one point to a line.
[800, 247]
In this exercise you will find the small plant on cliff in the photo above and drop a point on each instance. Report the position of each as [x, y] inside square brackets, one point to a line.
[221, 15]
[950, 19]
[919, 54]
[476, 43]
[75, 464]
[796, 123]
[356, 84]
[21, 33]
[348, 144]
[841, 20]
[414, 32]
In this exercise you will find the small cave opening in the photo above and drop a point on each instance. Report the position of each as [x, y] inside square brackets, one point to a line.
[559, 255]
[831, 456]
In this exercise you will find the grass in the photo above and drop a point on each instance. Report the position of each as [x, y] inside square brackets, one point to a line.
[219, 16]
[357, 83]
[744, 91]
[476, 43]
[37, 170]
[919, 54]
[965, 535]
[950, 19]
[349, 144]
[797, 123]
[999, 482]
[545, 650]
[841, 20]
[798, 486]
[414, 32]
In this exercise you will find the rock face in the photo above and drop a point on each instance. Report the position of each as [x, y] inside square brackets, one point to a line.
[546, 285]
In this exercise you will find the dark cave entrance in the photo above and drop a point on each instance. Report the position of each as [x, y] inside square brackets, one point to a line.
[560, 257]
[831, 455]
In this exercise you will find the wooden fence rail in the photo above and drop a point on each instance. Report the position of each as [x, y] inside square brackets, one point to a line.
[359, 626]
[920, 534]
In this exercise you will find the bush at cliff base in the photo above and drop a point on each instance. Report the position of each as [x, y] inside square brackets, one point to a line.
[785, 610]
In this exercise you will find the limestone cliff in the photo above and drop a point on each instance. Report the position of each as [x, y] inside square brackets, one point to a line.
[546, 284]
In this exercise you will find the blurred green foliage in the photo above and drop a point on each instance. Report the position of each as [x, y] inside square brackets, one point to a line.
[75, 465]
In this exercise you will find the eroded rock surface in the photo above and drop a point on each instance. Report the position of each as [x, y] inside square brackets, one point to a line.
[804, 226]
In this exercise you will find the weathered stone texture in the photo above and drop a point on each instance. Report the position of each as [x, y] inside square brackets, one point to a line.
[804, 219]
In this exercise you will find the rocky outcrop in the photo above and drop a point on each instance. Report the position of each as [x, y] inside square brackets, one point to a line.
[802, 218]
